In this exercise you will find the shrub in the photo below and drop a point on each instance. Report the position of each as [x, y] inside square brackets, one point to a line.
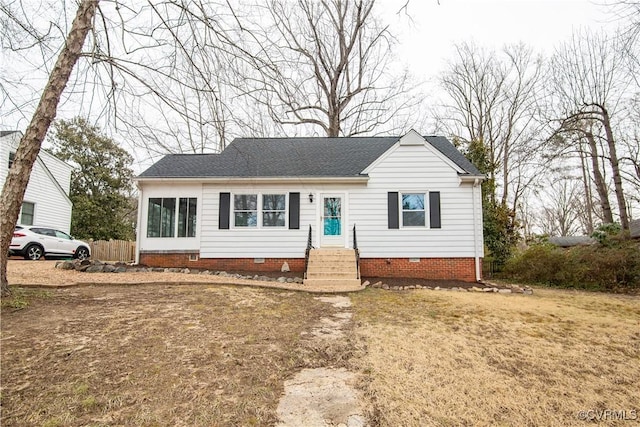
[610, 267]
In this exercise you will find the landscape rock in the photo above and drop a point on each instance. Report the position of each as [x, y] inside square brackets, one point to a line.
[108, 268]
[65, 265]
[366, 283]
[282, 279]
[120, 270]
[504, 291]
[285, 267]
[377, 285]
[385, 286]
[94, 268]
[298, 280]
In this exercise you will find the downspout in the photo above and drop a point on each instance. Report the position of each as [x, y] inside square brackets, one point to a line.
[139, 223]
[476, 184]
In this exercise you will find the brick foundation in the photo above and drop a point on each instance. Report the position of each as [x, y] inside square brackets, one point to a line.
[426, 268]
[181, 260]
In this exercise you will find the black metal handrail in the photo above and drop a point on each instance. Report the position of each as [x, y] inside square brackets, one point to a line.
[357, 251]
[308, 251]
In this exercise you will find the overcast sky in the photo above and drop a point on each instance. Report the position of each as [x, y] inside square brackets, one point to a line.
[428, 30]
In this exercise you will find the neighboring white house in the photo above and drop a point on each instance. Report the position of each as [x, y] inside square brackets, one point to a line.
[46, 200]
[415, 203]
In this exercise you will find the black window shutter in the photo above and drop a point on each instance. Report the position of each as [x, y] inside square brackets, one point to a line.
[223, 214]
[392, 211]
[434, 209]
[294, 211]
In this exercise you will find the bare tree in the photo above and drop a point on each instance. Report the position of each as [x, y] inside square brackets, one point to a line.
[589, 81]
[29, 147]
[325, 65]
[562, 212]
[492, 98]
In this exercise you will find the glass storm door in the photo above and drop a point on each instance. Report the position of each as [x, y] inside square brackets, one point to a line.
[332, 221]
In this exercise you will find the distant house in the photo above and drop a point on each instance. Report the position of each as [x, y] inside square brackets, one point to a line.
[570, 241]
[46, 200]
[414, 201]
[634, 228]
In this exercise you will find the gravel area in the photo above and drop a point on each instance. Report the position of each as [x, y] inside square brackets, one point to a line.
[44, 274]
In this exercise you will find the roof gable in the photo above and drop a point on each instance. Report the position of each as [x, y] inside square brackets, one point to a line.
[292, 157]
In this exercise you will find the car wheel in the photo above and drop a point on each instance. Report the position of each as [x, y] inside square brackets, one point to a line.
[82, 253]
[33, 252]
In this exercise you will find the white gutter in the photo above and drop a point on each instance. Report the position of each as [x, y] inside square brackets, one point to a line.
[476, 184]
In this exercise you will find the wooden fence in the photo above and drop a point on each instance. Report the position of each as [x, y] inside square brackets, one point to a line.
[113, 250]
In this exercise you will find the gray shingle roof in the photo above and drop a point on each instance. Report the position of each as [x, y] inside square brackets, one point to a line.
[569, 241]
[7, 132]
[288, 157]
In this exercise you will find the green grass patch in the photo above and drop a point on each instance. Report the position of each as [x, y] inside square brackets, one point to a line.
[21, 298]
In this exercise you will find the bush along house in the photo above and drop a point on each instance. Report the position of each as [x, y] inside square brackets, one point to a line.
[333, 208]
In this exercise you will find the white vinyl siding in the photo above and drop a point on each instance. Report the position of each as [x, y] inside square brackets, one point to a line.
[404, 169]
[253, 242]
[52, 205]
[191, 194]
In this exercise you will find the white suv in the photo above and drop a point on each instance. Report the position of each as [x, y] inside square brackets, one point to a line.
[33, 242]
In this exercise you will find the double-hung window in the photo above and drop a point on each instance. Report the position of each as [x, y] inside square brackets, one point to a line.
[27, 213]
[269, 209]
[413, 210]
[274, 210]
[245, 210]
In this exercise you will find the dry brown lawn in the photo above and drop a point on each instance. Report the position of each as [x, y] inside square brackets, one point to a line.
[154, 355]
[214, 355]
[449, 358]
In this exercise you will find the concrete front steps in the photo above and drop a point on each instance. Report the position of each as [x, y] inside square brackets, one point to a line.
[329, 267]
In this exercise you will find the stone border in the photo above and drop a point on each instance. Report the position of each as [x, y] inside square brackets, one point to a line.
[289, 283]
[482, 287]
[96, 266]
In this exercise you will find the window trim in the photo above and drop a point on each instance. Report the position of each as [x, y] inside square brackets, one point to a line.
[283, 211]
[234, 211]
[176, 217]
[425, 209]
[187, 222]
[260, 210]
[33, 213]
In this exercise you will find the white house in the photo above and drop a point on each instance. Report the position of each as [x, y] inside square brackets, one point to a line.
[414, 201]
[46, 200]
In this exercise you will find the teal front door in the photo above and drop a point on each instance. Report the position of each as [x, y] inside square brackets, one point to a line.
[332, 221]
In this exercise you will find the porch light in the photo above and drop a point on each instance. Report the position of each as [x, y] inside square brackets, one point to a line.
[310, 197]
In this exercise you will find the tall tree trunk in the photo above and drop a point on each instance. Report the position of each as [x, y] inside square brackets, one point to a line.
[598, 178]
[587, 192]
[615, 169]
[18, 177]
